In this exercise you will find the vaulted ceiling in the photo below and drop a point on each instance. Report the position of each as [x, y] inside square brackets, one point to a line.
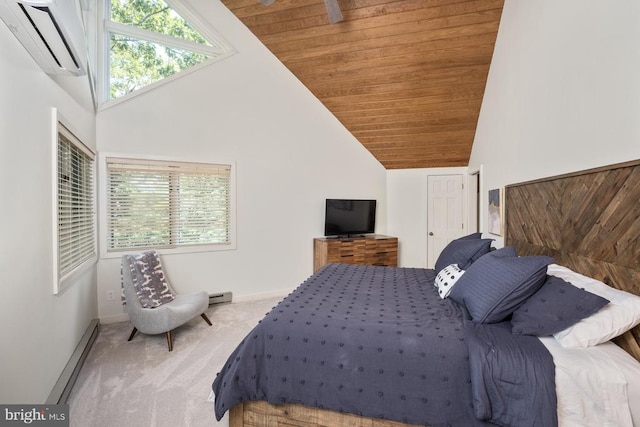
[405, 77]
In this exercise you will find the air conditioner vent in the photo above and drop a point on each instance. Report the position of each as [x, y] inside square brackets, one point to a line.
[49, 24]
[219, 298]
[50, 30]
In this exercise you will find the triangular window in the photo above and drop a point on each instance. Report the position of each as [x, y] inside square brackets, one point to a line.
[149, 40]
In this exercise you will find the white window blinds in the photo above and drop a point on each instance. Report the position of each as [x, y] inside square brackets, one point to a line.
[164, 204]
[76, 203]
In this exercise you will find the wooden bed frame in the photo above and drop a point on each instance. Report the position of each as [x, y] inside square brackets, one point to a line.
[588, 221]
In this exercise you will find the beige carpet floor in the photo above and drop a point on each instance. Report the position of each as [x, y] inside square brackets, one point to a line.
[140, 383]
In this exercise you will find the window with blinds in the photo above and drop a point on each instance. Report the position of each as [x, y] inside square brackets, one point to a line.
[76, 203]
[160, 204]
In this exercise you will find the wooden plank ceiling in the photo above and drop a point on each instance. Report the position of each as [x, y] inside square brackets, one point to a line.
[405, 77]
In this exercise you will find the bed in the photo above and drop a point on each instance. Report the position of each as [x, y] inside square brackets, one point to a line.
[568, 218]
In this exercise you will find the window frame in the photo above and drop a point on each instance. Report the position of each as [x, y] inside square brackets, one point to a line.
[59, 126]
[103, 191]
[218, 45]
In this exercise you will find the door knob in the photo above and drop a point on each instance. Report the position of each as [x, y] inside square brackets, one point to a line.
[431, 233]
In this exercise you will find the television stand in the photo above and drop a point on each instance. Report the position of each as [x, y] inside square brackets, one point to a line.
[368, 249]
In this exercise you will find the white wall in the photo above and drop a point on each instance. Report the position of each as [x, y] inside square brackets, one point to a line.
[39, 330]
[290, 155]
[563, 92]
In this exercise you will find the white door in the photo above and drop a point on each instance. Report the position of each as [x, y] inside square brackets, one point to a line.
[444, 213]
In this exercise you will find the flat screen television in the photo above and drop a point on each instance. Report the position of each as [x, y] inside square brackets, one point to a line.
[349, 217]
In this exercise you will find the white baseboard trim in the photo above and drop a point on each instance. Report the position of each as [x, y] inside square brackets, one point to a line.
[262, 295]
[63, 386]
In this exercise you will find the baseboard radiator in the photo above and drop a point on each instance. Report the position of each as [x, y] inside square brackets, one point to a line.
[219, 298]
[63, 386]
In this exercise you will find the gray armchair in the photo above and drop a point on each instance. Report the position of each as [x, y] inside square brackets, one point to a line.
[165, 317]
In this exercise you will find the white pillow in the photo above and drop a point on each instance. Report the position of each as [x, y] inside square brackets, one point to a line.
[447, 277]
[621, 314]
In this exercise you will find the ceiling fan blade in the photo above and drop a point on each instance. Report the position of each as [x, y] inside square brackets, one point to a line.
[332, 6]
[333, 10]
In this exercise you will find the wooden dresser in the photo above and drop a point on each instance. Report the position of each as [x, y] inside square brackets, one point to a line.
[374, 249]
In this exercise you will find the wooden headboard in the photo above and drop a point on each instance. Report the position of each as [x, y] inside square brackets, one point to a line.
[588, 221]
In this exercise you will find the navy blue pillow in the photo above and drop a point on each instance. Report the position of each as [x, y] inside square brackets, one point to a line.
[556, 306]
[471, 236]
[507, 251]
[463, 251]
[498, 283]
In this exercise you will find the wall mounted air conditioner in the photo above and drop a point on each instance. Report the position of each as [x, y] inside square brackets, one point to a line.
[51, 31]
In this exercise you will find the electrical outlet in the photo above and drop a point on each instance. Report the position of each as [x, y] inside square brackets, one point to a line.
[111, 295]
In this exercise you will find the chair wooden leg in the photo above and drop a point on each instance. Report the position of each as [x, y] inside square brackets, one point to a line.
[132, 334]
[169, 341]
[206, 319]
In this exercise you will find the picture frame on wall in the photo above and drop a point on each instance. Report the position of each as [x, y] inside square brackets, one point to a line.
[495, 214]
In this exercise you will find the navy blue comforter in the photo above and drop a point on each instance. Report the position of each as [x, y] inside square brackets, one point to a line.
[377, 342]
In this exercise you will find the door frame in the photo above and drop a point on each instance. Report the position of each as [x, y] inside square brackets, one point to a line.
[474, 196]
